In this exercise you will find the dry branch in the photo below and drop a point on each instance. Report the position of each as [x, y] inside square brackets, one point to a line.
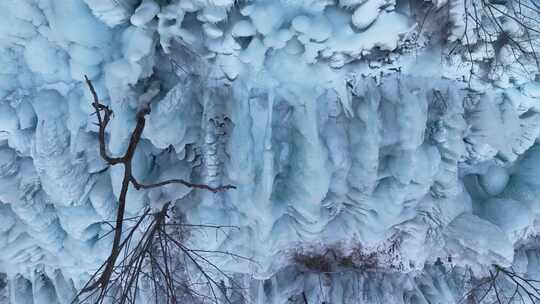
[515, 288]
[127, 271]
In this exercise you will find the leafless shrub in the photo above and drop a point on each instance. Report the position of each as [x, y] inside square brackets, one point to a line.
[503, 286]
[150, 250]
[335, 259]
[358, 259]
[314, 262]
[493, 30]
[488, 17]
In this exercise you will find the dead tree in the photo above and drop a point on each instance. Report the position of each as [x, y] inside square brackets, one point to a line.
[117, 279]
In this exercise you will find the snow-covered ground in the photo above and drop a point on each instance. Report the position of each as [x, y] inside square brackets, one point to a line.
[405, 129]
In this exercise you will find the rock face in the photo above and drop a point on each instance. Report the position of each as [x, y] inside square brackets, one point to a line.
[366, 166]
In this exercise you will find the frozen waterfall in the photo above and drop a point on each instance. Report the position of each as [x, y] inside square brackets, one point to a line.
[383, 151]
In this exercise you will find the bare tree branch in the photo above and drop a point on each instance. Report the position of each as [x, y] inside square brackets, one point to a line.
[127, 272]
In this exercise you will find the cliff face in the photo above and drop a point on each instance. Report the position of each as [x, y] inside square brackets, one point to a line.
[382, 150]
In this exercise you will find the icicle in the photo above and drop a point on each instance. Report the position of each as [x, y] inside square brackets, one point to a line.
[43, 289]
[268, 157]
[340, 86]
[261, 298]
[21, 290]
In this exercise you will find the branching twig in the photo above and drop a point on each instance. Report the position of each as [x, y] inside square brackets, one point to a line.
[127, 272]
[521, 287]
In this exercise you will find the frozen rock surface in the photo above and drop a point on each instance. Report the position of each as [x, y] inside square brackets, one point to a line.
[340, 123]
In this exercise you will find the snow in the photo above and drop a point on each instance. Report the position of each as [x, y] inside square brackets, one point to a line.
[243, 28]
[137, 43]
[84, 30]
[41, 57]
[110, 12]
[340, 124]
[212, 31]
[366, 13]
[8, 119]
[511, 216]
[468, 231]
[144, 13]
[494, 180]
[84, 55]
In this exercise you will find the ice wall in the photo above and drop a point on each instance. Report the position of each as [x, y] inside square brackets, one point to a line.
[356, 126]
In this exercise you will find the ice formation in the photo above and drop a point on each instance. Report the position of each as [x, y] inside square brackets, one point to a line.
[346, 126]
